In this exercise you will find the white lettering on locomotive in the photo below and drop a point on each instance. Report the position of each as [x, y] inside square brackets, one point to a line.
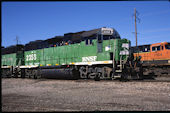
[89, 59]
[31, 57]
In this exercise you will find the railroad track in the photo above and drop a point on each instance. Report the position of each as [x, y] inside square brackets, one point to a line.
[148, 78]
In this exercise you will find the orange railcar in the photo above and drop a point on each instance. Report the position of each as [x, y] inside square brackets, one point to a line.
[158, 54]
[155, 58]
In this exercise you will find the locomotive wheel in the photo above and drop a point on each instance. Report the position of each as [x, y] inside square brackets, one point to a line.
[83, 73]
[91, 76]
[22, 73]
[38, 74]
[97, 77]
[32, 76]
[16, 73]
[112, 75]
[6, 73]
[29, 76]
[140, 76]
[124, 76]
[15, 76]
[35, 76]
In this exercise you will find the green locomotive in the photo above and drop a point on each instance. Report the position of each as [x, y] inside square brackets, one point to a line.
[11, 58]
[104, 56]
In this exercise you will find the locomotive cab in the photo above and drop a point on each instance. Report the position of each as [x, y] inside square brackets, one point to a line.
[105, 34]
[160, 51]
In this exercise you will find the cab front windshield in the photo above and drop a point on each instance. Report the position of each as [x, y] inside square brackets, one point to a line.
[167, 46]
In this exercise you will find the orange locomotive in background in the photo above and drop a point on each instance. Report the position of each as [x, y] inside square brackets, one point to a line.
[155, 57]
[156, 54]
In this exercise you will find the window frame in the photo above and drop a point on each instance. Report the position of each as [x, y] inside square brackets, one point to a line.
[156, 48]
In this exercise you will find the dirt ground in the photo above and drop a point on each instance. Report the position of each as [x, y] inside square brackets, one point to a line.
[83, 95]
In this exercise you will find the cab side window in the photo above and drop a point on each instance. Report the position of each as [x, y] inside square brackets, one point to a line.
[156, 48]
[88, 41]
[167, 46]
[146, 49]
[153, 49]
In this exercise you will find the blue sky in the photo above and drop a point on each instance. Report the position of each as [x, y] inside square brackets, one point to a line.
[32, 21]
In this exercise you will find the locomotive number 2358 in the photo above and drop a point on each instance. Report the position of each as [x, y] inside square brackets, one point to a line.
[31, 57]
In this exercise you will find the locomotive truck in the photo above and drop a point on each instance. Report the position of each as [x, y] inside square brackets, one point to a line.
[103, 55]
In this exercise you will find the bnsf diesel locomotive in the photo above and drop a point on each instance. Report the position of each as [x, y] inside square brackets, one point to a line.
[155, 58]
[96, 54]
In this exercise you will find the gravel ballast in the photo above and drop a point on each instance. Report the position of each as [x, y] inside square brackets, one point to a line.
[83, 95]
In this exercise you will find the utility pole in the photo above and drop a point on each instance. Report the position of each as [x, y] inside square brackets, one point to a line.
[136, 29]
[17, 40]
[136, 19]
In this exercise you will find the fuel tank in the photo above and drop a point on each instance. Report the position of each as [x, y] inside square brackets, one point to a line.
[59, 73]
